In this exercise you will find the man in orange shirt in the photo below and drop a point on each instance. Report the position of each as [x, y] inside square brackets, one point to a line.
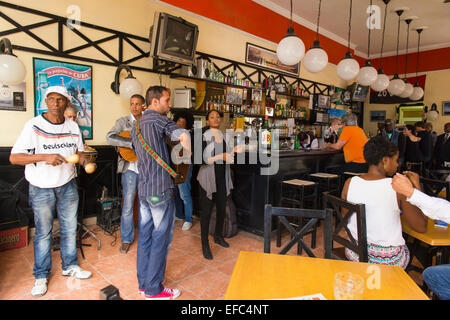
[352, 141]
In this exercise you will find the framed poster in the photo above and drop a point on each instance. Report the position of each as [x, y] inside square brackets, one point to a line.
[446, 108]
[377, 115]
[234, 95]
[76, 78]
[267, 58]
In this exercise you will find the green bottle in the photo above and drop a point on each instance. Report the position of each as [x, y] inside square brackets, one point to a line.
[296, 145]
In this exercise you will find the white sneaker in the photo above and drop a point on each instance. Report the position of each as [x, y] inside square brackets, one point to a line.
[177, 219]
[77, 272]
[186, 226]
[40, 287]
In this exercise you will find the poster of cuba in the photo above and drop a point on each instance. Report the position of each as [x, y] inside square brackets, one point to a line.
[76, 78]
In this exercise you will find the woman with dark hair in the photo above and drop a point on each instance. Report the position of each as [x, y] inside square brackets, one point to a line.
[308, 141]
[383, 206]
[183, 198]
[215, 179]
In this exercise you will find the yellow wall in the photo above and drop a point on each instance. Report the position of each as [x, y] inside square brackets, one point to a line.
[134, 17]
[436, 91]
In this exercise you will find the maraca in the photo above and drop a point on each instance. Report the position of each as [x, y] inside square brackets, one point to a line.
[90, 167]
[73, 158]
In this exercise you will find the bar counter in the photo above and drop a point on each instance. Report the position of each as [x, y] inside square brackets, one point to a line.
[252, 190]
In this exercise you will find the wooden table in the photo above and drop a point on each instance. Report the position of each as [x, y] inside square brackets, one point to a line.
[436, 237]
[271, 276]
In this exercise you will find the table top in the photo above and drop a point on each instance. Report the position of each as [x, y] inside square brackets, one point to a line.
[259, 276]
[434, 236]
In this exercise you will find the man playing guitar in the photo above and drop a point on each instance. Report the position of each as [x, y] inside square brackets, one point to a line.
[119, 136]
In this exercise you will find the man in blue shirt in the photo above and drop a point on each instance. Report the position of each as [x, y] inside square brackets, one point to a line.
[156, 196]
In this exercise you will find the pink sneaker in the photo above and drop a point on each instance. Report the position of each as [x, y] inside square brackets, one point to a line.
[166, 294]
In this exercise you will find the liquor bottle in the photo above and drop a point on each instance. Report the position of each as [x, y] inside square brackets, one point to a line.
[235, 78]
[296, 144]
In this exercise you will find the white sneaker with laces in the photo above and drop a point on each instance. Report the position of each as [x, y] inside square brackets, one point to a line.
[40, 287]
[186, 226]
[77, 272]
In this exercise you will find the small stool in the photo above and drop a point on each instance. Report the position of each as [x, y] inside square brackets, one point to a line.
[296, 196]
[324, 180]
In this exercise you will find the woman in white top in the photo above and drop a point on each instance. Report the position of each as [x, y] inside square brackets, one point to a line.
[383, 206]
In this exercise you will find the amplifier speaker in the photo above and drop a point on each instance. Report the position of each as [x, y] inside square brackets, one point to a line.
[108, 214]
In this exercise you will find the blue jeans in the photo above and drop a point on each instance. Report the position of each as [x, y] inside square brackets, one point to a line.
[437, 279]
[45, 202]
[186, 197]
[155, 227]
[129, 189]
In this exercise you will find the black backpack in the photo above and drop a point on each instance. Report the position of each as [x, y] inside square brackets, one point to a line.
[230, 222]
[12, 214]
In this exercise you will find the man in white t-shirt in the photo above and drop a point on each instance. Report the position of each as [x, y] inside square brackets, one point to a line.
[128, 169]
[43, 145]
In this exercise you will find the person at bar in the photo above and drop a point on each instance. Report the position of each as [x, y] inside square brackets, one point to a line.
[351, 141]
[331, 134]
[413, 153]
[42, 147]
[394, 136]
[185, 120]
[156, 196]
[437, 278]
[385, 243]
[128, 169]
[308, 141]
[442, 149]
[425, 144]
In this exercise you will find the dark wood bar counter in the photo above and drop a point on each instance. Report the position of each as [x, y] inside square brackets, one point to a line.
[253, 190]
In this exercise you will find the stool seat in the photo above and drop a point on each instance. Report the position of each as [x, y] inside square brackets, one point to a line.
[324, 175]
[353, 173]
[298, 182]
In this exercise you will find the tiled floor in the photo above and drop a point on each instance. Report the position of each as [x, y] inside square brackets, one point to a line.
[196, 277]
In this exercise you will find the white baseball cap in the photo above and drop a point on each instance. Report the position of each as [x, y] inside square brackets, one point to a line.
[57, 89]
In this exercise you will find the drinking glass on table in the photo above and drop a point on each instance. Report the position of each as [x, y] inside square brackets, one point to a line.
[348, 286]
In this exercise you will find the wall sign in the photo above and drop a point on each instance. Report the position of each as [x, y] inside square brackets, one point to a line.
[12, 97]
[76, 78]
[383, 97]
[266, 58]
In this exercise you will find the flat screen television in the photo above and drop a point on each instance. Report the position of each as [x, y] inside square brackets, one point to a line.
[359, 92]
[173, 39]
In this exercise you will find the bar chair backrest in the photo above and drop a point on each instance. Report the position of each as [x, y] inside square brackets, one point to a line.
[360, 246]
[282, 213]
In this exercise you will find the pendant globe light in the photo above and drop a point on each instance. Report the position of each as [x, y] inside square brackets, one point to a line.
[291, 49]
[316, 59]
[417, 91]
[368, 74]
[382, 81]
[407, 92]
[348, 68]
[397, 85]
[12, 70]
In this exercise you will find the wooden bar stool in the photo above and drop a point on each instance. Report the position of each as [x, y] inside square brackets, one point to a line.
[293, 194]
[328, 182]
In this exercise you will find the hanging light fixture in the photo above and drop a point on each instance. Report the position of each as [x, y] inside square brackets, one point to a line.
[368, 74]
[129, 85]
[407, 92]
[316, 59]
[397, 85]
[291, 49]
[348, 68]
[382, 81]
[417, 91]
[12, 70]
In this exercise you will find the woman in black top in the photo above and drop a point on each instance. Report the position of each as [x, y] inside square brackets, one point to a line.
[215, 180]
[412, 151]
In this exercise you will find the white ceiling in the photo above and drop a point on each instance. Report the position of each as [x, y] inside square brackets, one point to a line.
[435, 14]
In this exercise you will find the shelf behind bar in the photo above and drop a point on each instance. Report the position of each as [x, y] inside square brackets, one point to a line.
[210, 81]
[203, 113]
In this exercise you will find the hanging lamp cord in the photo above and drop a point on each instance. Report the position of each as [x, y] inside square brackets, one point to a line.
[417, 65]
[398, 38]
[382, 40]
[350, 25]
[318, 21]
[290, 23]
[407, 44]
[370, 21]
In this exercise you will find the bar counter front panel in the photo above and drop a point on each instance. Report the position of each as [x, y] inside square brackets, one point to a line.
[252, 190]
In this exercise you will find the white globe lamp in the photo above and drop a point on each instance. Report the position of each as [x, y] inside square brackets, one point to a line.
[12, 70]
[367, 75]
[417, 93]
[129, 87]
[316, 59]
[381, 83]
[408, 91]
[396, 86]
[348, 68]
[291, 49]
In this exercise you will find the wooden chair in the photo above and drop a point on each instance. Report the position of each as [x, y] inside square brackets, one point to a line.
[433, 187]
[360, 246]
[296, 235]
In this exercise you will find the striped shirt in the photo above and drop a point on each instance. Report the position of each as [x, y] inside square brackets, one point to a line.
[153, 179]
